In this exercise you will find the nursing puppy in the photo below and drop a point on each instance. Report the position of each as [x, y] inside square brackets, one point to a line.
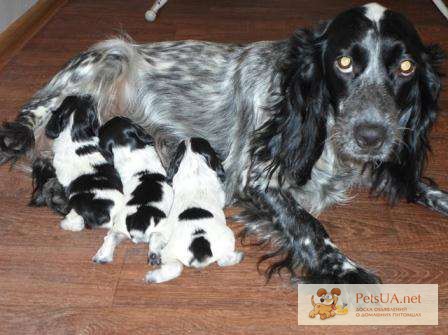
[93, 187]
[148, 197]
[200, 235]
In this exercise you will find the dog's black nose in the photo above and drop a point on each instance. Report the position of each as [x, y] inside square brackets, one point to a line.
[322, 299]
[370, 136]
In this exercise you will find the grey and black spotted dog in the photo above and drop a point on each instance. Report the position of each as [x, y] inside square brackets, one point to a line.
[298, 121]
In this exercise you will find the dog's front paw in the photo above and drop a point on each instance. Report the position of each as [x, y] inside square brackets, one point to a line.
[154, 258]
[359, 276]
[15, 140]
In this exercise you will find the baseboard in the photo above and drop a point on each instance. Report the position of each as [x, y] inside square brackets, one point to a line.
[25, 27]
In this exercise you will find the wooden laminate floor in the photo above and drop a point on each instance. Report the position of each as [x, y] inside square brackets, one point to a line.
[48, 285]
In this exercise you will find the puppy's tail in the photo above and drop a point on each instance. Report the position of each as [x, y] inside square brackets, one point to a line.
[201, 250]
[312, 301]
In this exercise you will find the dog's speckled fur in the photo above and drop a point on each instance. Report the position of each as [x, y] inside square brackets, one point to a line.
[280, 114]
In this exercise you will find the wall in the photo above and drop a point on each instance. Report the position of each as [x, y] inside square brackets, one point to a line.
[10, 10]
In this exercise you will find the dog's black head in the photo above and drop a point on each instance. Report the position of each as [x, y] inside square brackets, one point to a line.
[199, 146]
[365, 82]
[85, 119]
[122, 132]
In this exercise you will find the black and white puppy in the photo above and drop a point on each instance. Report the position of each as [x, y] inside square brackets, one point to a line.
[148, 197]
[93, 186]
[200, 235]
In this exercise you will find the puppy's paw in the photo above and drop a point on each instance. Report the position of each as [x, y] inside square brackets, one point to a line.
[239, 256]
[232, 259]
[102, 259]
[165, 273]
[72, 225]
[154, 258]
[15, 140]
[153, 277]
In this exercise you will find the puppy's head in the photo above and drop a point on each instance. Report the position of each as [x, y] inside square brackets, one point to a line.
[328, 299]
[77, 112]
[199, 150]
[122, 132]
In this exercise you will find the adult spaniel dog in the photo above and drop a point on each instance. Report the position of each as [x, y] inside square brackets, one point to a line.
[298, 122]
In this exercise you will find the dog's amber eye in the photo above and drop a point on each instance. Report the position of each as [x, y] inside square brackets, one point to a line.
[407, 68]
[345, 64]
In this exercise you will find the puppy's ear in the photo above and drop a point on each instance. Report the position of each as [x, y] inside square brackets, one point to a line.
[336, 291]
[219, 169]
[321, 292]
[92, 117]
[203, 147]
[214, 162]
[85, 123]
[57, 123]
[175, 162]
[141, 137]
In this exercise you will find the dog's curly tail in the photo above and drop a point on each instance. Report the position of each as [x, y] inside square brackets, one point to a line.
[312, 301]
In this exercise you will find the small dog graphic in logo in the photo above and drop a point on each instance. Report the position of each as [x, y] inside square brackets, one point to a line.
[326, 304]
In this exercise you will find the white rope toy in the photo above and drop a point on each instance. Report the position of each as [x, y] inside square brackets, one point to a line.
[151, 14]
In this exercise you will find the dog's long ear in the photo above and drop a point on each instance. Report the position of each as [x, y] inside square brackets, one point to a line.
[321, 292]
[203, 147]
[175, 162]
[292, 140]
[399, 179]
[336, 291]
